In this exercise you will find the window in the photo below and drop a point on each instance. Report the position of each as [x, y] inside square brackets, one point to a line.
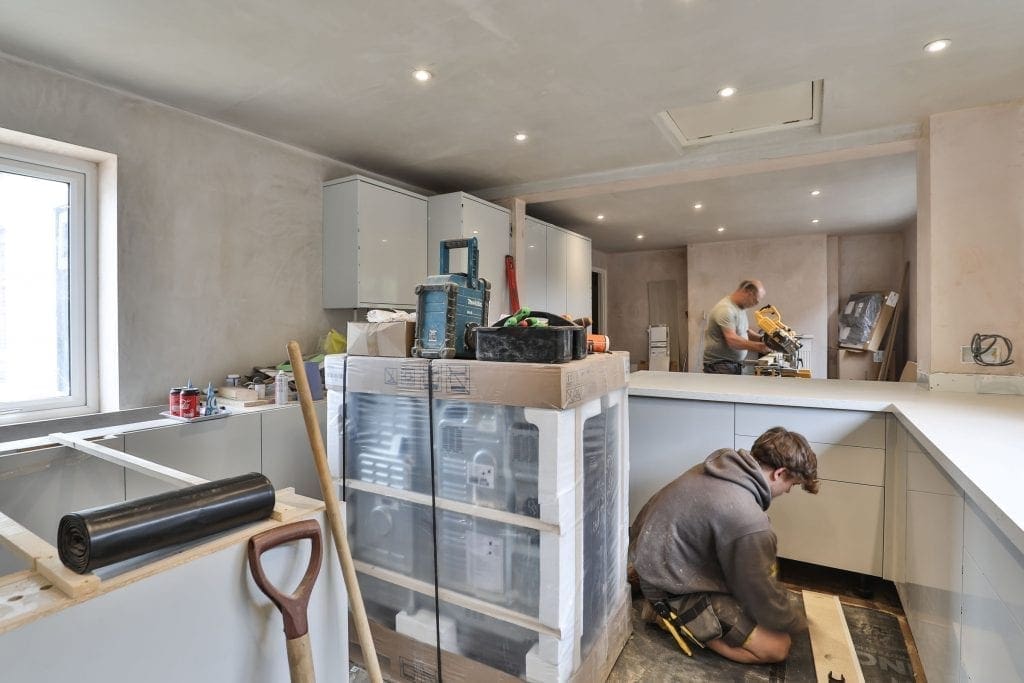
[47, 292]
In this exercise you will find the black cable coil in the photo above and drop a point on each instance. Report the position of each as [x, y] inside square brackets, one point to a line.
[101, 536]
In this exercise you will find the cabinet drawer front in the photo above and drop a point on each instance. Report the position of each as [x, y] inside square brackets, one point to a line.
[992, 647]
[821, 425]
[839, 527]
[999, 561]
[924, 475]
[841, 463]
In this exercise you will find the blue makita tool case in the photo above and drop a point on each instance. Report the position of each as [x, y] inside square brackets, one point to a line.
[451, 306]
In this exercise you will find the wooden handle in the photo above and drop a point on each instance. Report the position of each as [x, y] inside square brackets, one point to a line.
[327, 488]
[293, 607]
[300, 660]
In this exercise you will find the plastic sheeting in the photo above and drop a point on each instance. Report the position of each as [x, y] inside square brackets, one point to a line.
[102, 536]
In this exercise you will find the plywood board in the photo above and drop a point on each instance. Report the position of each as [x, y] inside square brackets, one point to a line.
[834, 656]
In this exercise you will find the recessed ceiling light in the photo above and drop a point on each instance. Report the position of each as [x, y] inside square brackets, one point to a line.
[721, 229]
[532, 246]
[521, 137]
[698, 205]
[476, 232]
[639, 237]
[600, 216]
[727, 91]
[816, 220]
[422, 75]
[938, 45]
[815, 193]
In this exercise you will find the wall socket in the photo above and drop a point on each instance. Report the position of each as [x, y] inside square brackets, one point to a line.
[993, 355]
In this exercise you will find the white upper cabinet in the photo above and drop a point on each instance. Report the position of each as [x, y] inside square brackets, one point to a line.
[531, 274]
[577, 275]
[375, 244]
[459, 215]
[555, 275]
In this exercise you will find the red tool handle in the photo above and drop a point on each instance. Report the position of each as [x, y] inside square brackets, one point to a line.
[513, 289]
[293, 607]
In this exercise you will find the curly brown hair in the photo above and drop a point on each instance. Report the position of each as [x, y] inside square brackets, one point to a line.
[779, 447]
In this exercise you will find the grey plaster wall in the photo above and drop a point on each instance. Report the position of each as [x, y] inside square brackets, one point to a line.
[628, 276]
[218, 231]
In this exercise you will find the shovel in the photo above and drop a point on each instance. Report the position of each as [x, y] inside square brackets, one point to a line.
[293, 606]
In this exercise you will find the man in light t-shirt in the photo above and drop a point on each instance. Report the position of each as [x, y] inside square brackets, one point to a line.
[728, 336]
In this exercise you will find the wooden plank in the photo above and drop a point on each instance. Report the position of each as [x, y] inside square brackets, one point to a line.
[43, 558]
[70, 583]
[166, 474]
[455, 598]
[831, 644]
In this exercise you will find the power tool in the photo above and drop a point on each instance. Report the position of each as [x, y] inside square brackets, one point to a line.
[450, 306]
[781, 339]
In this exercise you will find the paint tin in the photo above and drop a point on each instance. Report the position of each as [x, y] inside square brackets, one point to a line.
[598, 343]
[174, 401]
[232, 381]
[189, 403]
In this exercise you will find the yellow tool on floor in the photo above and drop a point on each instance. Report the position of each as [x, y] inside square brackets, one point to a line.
[670, 622]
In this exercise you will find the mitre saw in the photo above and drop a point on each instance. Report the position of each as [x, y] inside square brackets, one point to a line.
[784, 343]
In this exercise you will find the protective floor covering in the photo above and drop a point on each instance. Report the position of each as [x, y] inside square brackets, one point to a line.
[652, 655]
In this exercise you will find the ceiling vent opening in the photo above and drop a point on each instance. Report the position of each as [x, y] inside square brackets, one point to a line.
[745, 113]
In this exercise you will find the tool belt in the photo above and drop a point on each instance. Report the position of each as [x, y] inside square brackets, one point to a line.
[676, 623]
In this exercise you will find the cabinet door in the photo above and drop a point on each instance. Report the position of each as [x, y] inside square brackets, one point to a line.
[577, 270]
[668, 436]
[532, 273]
[392, 246]
[934, 588]
[490, 225]
[839, 527]
[556, 282]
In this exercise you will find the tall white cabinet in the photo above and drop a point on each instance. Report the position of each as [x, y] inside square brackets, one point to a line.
[555, 273]
[375, 244]
[459, 215]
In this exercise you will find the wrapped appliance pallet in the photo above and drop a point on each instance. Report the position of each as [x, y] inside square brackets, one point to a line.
[487, 504]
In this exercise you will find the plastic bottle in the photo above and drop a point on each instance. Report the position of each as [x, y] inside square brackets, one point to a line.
[280, 388]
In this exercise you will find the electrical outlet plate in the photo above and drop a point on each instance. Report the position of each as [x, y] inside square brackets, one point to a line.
[993, 355]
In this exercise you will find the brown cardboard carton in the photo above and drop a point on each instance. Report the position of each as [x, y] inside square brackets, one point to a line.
[392, 339]
[864, 320]
[534, 385]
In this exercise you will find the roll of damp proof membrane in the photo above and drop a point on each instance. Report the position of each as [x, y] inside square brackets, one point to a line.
[102, 536]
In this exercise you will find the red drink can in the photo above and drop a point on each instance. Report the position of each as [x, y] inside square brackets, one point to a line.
[175, 401]
[189, 403]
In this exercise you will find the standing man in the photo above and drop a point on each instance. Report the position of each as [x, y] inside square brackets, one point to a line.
[728, 336]
[704, 550]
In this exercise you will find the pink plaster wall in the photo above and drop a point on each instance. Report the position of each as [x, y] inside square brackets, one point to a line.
[976, 257]
[793, 270]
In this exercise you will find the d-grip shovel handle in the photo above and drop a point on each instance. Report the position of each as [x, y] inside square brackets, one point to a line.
[293, 607]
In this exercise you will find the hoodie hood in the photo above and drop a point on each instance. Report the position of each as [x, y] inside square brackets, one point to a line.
[740, 468]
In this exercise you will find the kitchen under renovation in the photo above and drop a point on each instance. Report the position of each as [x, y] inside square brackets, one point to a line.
[665, 340]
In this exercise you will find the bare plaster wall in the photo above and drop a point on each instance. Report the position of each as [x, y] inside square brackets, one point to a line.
[628, 275]
[976, 203]
[218, 231]
[598, 259]
[867, 263]
[794, 272]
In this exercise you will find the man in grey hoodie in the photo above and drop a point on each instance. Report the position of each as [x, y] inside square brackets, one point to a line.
[704, 546]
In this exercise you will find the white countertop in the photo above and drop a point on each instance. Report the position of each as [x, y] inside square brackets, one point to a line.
[977, 439]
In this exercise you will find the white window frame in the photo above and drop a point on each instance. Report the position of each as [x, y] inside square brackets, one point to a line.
[82, 178]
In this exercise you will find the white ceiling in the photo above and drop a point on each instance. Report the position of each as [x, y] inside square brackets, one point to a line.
[585, 79]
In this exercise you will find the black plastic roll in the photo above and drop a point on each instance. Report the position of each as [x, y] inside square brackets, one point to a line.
[101, 536]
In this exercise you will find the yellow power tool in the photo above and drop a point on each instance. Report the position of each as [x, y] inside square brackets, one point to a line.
[777, 335]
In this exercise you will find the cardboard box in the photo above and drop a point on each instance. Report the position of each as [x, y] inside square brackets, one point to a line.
[864, 320]
[531, 385]
[381, 339]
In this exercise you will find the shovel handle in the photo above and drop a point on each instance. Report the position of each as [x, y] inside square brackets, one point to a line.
[293, 606]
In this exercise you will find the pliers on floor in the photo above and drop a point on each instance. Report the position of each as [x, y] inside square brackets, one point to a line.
[670, 622]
